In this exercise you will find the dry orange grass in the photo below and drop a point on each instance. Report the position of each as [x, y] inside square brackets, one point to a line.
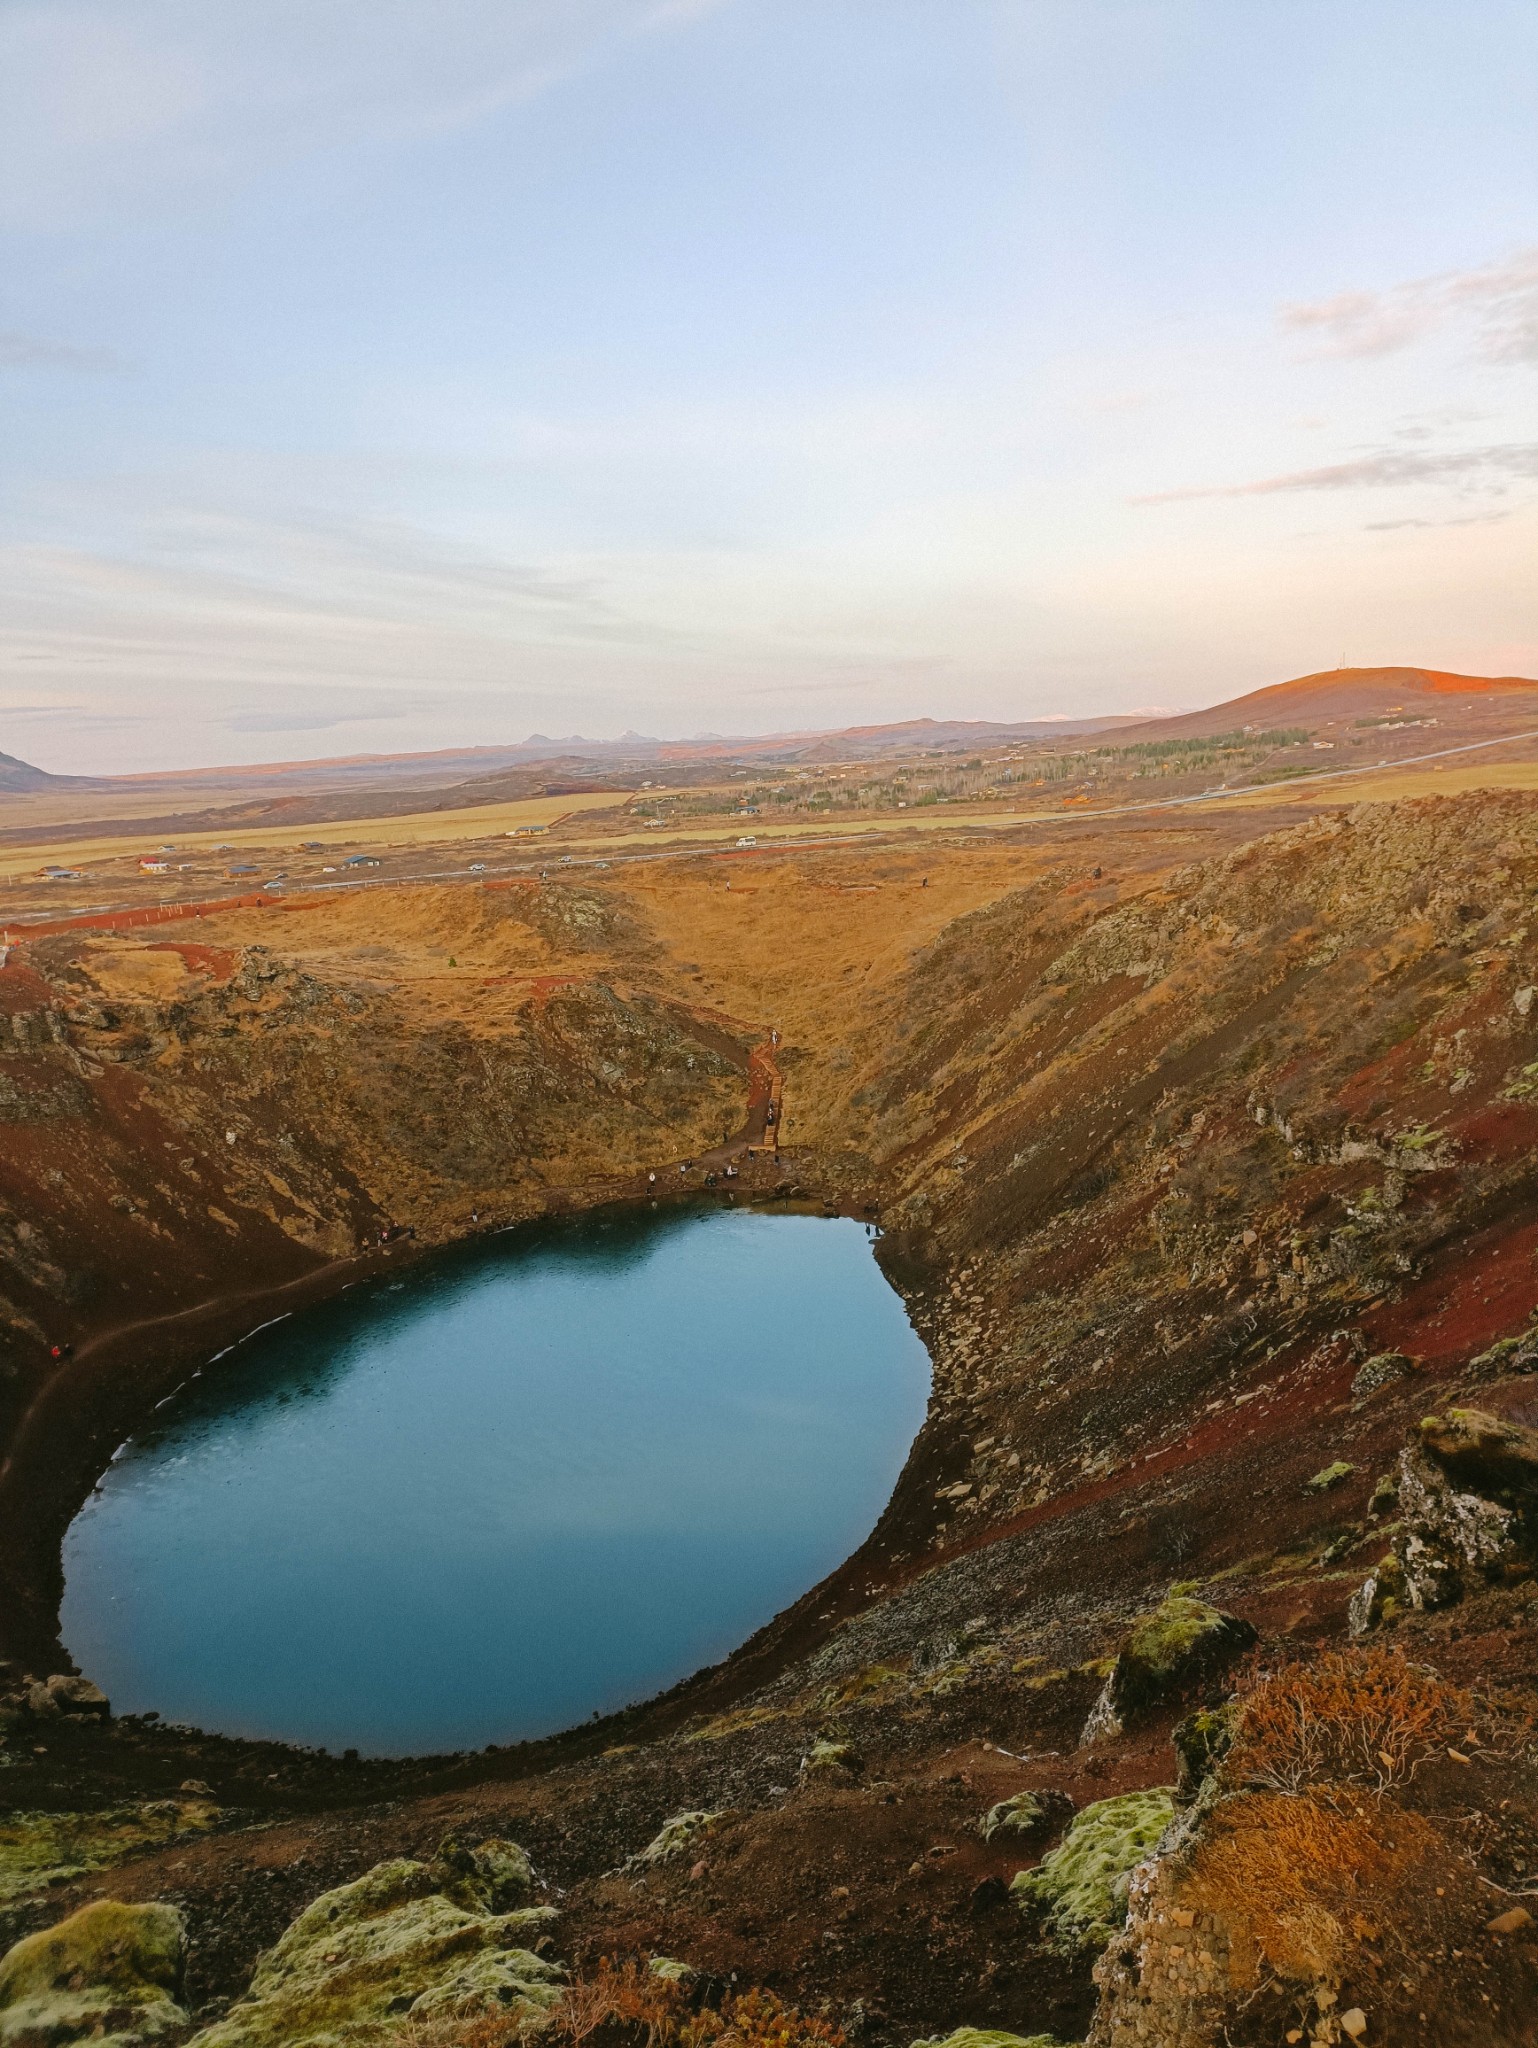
[1299, 1882]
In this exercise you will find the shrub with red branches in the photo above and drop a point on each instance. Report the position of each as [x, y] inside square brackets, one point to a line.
[1348, 1716]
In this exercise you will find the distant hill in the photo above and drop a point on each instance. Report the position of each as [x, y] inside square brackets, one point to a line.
[877, 742]
[19, 777]
[1347, 694]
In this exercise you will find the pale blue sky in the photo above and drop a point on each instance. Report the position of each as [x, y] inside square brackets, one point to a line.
[394, 375]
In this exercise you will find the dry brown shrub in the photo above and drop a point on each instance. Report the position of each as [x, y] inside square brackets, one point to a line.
[620, 1998]
[757, 2019]
[1346, 1717]
[622, 2005]
[490, 2030]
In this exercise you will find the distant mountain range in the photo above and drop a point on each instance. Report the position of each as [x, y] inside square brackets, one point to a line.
[637, 750]
[484, 769]
[300, 793]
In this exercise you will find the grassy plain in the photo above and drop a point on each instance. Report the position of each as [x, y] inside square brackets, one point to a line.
[593, 824]
[415, 829]
[1396, 785]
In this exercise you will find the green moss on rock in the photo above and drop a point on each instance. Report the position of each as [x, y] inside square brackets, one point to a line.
[1385, 1496]
[109, 1974]
[1379, 1599]
[1028, 1813]
[1331, 1477]
[1381, 1370]
[682, 1832]
[1082, 1884]
[991, 2037]
[1201, 1741]
[513, 1982]
[835, 1758]
[1178, 1642]
[1162, 1642]
[407, 1942]
[1484, 1454]
[40, 1849]
[492, 1876]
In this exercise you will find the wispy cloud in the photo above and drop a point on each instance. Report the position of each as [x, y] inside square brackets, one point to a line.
[360, 707]
[36, 352]
[1488, 469]
[265, 600]
[1462, 519]
[1501, 300]
[104, 107]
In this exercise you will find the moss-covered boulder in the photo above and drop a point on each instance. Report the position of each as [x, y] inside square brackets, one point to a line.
[991, 2037]
[406, 1943]
[41, 1849]
[1081, 1885]
[1028, 1816]
[1170, 1649]
[683, 1832]
[669, 1970]
[830, 1759]
[110, 1974]
[493, 1876]
[1381, 1370]
[1329, 1477]
[1484, 1453]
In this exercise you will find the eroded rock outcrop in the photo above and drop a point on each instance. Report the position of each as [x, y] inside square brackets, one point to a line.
[1467, 1494]
[62, 1695]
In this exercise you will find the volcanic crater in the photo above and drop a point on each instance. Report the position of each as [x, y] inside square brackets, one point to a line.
[1185, 1691]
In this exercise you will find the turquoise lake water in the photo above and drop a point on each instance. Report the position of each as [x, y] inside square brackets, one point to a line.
[524, 1482]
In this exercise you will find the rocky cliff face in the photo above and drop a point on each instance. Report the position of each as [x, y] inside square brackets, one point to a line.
[181, 1114]
[190, 1126]
[1206, 1184]
[1260, 1116]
